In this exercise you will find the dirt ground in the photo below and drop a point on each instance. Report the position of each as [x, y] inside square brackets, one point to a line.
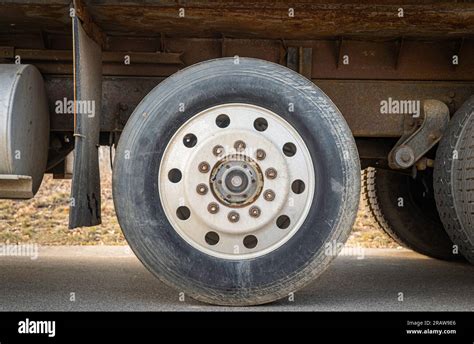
[44, 219]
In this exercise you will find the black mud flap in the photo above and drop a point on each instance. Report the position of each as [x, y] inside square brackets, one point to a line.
[85, 192]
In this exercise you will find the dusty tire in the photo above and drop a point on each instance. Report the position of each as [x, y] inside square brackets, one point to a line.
[454, 179]
[415, 224]
[169, 254]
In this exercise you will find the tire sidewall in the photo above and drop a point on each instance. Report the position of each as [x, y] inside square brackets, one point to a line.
[448, 173]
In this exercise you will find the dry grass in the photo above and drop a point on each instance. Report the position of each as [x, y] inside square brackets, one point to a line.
[366, 233]
[44, 220]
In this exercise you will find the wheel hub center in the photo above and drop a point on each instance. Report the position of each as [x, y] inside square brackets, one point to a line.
[236, 181]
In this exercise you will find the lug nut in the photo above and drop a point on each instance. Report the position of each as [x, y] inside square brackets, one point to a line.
[201, 189]
[405, 157]
[233, 216]
[239, 145]
[255, 211]
[433, 137]
[204, 167]
[218, 150]
[271, 173]
[269, 195]
[261, 154]
[213, 208]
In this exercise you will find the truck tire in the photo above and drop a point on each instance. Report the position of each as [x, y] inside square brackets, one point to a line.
[259, 133]
[454, 179]
[414, 223]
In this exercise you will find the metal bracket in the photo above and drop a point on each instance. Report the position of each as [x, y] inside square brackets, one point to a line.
[300, 59]
[398, 51]
[417, 142]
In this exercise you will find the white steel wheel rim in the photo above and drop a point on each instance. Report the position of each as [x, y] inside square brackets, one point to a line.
[188, 194]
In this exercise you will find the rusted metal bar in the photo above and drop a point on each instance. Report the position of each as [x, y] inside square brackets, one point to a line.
[367, 59]
[292, 58]
[112, 69]
[306, 62]
[300, 60]
[143, 57]
[43, 55]
[107, 56]
[139, 70]
[7, 52]
[358, 100]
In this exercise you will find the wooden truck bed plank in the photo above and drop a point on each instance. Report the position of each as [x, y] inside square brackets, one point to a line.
[262, 19]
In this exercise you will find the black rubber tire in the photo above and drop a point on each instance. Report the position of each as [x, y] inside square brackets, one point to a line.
[454, 179]
[277, 273]
[416, 224]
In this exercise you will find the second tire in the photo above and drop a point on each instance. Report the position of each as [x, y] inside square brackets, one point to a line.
[405, 209]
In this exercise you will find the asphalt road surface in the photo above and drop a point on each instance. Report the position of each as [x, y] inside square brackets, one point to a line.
[112, 279]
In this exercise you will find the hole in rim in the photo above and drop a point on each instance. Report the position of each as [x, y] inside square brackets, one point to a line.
[298, 186]
[190, 140]
[260, 124]
[212, 238]
[289, 149]
[174, 175]
[222, 121]
[250, 241]
[183, 213]
[283, 221]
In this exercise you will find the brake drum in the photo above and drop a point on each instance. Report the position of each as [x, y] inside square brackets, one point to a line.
[24, 127]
